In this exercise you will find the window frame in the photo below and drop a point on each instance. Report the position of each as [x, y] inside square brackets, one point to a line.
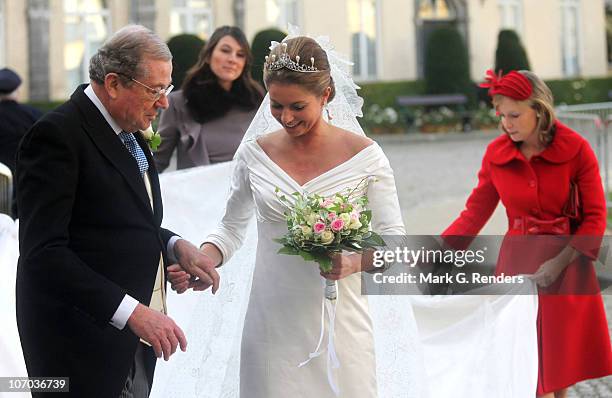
[365, 75]
[106, 14]
[3, 40]
[566, 37]
[190, 14]
[504, 6]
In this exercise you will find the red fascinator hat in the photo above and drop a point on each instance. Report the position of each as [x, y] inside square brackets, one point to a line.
[513, 85]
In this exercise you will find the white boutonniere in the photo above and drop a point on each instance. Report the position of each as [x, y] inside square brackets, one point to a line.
[152, 137]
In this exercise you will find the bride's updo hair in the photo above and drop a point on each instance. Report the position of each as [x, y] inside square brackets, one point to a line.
[314, 82]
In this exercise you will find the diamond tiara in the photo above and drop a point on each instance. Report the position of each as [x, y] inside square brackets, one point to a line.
[285, 61]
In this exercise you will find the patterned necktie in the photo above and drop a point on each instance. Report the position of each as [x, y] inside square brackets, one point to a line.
[132, 145]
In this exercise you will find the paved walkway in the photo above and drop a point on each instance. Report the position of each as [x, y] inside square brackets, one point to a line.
[434, 176]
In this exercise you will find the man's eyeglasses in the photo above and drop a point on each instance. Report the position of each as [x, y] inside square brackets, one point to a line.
[155, 92]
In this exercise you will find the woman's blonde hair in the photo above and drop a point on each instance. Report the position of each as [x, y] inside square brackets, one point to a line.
[542, 101]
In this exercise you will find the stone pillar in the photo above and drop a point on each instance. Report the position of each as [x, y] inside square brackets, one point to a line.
[238, 10]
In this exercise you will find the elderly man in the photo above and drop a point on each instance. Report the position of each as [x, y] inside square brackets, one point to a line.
[92, 249]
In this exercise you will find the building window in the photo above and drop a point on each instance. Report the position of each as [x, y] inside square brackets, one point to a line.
[280, 13]
[434, 9]
[570, 37]
[511, 15]
[142, 12]
[363, 27]
[2, 36]
[191, 16]
[87, 23]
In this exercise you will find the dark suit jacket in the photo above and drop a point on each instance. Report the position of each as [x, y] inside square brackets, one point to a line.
[87, 237]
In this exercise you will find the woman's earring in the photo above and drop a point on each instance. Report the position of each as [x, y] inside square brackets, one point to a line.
[329, 116]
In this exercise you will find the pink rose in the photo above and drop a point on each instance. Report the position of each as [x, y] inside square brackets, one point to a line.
[327, 203]
[319, 227]
[355, 216]
[331, 216]
[337, 225]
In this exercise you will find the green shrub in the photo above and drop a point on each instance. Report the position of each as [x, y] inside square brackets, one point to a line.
[510, 53]
[185, 49]
[261, 47]
[384, 94]
[47, 106]
[447, 69]
[580, 91]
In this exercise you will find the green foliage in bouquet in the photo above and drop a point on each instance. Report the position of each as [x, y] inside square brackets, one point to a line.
[318, 226]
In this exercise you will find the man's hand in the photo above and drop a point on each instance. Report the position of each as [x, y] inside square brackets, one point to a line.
[181, 280]
[158, 330]
[197, 264]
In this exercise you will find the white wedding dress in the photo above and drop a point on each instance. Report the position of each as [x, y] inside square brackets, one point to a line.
[459, 346]
[283, 319]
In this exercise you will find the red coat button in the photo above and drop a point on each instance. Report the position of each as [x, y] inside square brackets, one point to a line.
[532, 183]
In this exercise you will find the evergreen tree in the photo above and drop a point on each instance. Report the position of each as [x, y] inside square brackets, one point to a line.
[185, 49]
[510, 54]
[447, 69]
[261, 47]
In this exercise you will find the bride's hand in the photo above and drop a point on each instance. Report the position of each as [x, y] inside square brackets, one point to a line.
[179, 279]
[343, 266]
[198, 264]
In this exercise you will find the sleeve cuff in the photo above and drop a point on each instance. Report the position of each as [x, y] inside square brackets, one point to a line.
[213, 240]
[170, 249]
[125, 309]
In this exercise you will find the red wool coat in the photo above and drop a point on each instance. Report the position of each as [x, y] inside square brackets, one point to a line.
[573, 338]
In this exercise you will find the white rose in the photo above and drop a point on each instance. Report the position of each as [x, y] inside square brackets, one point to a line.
[312, 218]
[355, 224]
[327, 237]
[306, 231]
[345, 217]
[148, 133]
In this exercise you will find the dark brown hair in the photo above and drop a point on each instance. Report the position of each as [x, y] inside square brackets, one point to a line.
[314, 82]
[206, 100]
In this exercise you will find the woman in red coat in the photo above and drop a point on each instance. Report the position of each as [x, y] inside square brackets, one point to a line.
[530, 168]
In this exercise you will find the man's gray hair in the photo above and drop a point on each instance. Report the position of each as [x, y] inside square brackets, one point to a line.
[124, 52]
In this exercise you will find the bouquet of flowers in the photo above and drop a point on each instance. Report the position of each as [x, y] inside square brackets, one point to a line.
[318, 226]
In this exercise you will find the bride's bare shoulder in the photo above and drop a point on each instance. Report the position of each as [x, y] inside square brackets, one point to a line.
[269, 141]
[355, 142]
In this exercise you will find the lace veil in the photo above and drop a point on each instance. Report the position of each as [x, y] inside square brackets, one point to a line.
[210, 367]
[344, 108]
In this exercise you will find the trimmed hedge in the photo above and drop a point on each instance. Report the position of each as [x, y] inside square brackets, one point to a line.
[45, 107]
[581, 91]
[385, 93]
[447, 67]
[510, 53]
[571, 91]
[185, 49]
[261, 47]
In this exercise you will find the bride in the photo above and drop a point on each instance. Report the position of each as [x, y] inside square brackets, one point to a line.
[313, 155]
[305, 138]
